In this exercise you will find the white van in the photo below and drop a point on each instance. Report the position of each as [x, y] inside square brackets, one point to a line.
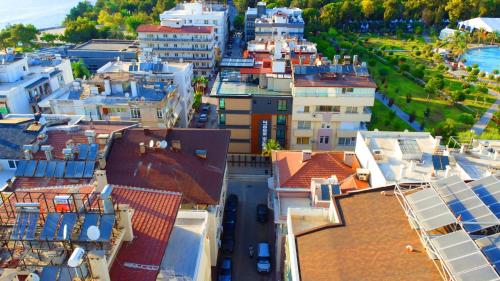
[263, 258]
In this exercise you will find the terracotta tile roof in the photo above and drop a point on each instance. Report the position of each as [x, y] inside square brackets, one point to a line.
[352, 183]
[154, 216]
[153, 221]
[293, 173]
[199, 180]
[370, 246]
[167, 29]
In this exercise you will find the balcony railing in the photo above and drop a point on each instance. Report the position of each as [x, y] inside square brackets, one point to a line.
[187, 58]
[192, 39]
[181, 49]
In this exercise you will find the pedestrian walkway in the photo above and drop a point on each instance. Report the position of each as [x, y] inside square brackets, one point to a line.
[481, 124]
[399, 112]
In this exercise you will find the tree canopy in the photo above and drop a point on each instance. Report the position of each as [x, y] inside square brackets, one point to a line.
[80, 70]
[18, 35]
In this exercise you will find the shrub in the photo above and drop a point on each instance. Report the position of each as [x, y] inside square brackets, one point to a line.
[427, 112]
[482, 74]
[402, 59]
[475, 71]
[468, 68]
[466, 118]
[465, 85]
[390, 102]
[491, 76]
[495, 71]
[418, 73]
[404, 67]
[408, 98]
[420, 67]
[457, 95]
[475, 65]
[372, 62]
[418, 53]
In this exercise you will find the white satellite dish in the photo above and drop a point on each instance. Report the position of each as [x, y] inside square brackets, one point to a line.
[93, 233]
[76, 257]
[33, 277]
[163, 144]
[151, 143]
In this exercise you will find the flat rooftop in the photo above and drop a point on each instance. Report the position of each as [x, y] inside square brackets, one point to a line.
[222, 88]
[369, 244]
[108, 45]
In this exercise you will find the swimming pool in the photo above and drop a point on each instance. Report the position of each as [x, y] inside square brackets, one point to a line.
[487, 58]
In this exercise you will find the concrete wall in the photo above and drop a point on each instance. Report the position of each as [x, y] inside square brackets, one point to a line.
[367, 161]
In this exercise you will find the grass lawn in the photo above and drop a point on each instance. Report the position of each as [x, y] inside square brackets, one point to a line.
[492, 132]
[385, 120]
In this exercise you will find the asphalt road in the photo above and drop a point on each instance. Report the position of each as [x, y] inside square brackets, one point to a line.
[250, 191]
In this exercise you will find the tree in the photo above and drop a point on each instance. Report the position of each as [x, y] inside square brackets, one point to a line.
[80, 70]
[82, 9]
[239, 22]
[466, 118]
[466, 137]
[200, 83]
[134, 21]
[367, 7]
[81, 30]
[270, 146]
[49, 38]
[446, 128]
[391, 8]
[18, 35]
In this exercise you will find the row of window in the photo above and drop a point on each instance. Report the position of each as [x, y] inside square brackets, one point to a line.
[329, 108]
[135, 113]
[282, 104]
[280, 119]
[326, 139]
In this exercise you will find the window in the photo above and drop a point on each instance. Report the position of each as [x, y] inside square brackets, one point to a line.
[222, 103]
[12, 164]
[281, 105]
[222, 118]
[347, 90]
[159, 113]
[347, 141]
[351, 109]
[205, 22]
[324, 139]
[280, 134]
[325, 126]
[303, 109]
[135, 113]
[215, 22]
[281, 119]
[304, 125]
[303, 140]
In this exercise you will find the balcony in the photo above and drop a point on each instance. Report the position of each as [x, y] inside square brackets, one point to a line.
[334, 117]
[182, 49]
[163, 39]
[302, 132]
[186, 58]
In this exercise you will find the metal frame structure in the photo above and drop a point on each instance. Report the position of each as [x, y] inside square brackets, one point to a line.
[428, 236]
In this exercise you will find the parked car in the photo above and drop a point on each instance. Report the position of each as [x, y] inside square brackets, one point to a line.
[205, 108]
[225, 270]
[263, 258]
[228, 244]
[203, 118]
[262, 213]
[230, 217]
[231, 203]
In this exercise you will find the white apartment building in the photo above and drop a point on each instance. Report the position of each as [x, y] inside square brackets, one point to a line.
[278, 22]
[201, 14]
[26, 80]
[331, 102]
[176, 42]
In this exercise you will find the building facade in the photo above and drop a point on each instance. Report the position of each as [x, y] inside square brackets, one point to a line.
[201, 14]
[177, 42]
[26, 80]
[263, 23]
[331, 103]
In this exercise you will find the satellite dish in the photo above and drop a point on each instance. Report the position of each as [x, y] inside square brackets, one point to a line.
[33, 277]
[163, 144]
[93, 233]
[151, 143]
[76, 257]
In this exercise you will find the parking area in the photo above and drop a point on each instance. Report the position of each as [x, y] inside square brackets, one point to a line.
[205, 116]
[251, 191]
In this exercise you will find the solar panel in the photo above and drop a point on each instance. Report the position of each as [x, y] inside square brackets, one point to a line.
[336, 189]
[89, 169]
[106, 227]
[90, 219]
[93, 151]
[83, 150]
[40, 169]
[70, 169]
[33, 221]
[79, 169]
[325, 192]
[49, 229]
[19, 226]
[49, 273]
[463, 258]
[440, 162]
[490, 245]
[429, 209]
[60, 167]
[50, 169]
[69, 219]
[30, 168]
[20, 168]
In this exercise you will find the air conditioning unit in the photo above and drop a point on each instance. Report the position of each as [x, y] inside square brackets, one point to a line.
[363, 174]
[377, 154]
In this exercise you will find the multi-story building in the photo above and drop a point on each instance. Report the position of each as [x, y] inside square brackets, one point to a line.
[97, 52]
[146, 92]
[331, 102]
[201, 14]
[26, 80]
[264, 24]
[177, 42]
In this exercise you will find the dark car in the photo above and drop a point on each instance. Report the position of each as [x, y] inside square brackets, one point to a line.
[203, 118]
[232, 203]
[205, 108]
[227, 244]
[262, 213]
[225, 270]
[230, 217]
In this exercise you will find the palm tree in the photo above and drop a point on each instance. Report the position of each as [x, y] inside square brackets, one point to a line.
[459, 43]
[200, 83]
[269, 147]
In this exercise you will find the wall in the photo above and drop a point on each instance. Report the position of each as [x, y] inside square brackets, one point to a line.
[367, 161]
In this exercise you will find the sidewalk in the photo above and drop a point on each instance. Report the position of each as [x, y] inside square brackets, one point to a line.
[481, 124]
[400, 113]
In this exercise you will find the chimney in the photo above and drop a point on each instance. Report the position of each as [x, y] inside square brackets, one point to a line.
[336, 59]
[28, 149]
[496, 154]
[355, 60]
[90, 134]
[101, 180]
[277, 50]
[142, 148]
[68, 153]
[125, 222]
[98, 265]
[306, 155]
[133, 88]
[349, 158]
[176, 145]
[48, 151]
[437, 141]
[106, 199]
[201, 153]
[107, 87]
[447, 171]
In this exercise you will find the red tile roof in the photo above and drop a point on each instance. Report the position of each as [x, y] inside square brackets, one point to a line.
[293, 173]
[167, 29]
[199, 180]
[153, 219]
